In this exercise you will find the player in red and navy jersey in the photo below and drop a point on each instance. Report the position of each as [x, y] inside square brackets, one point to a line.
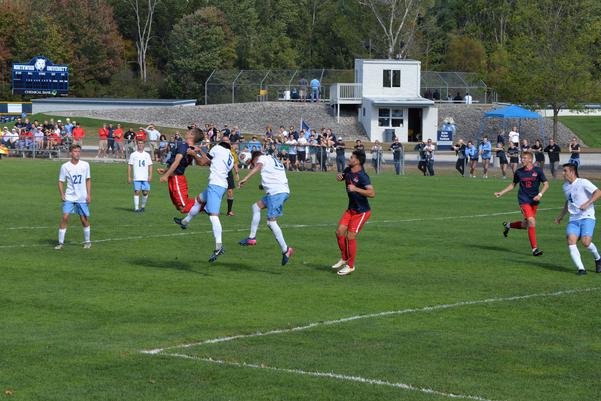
[358, 188]
[529, 177]
[180, 159]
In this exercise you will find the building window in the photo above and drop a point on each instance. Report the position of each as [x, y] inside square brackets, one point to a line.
[391, 78]
[390, 117]
[397, 117]
[384, 117]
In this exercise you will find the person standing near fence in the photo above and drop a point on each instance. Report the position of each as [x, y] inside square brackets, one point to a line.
[500, 149]
[315, 84]
[292, 151]
[429, 149]
[553, 151]
[340, 155]
[539, 156]
[376, 156]
[110, 148]
[575, 149]
[397, 154]
[103, 134]
[78, 134]
[472, 154]
[514, 156]
[460, 152]
[118, 137]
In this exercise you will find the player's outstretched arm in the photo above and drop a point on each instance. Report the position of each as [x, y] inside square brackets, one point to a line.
[505, 190]
[201, 159]
[562, 213]
[252, 172]
[595, 197]
[174, 165]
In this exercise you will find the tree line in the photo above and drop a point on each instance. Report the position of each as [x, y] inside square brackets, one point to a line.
[530, 51]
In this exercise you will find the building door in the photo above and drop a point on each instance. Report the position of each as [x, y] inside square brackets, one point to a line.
[415, 125]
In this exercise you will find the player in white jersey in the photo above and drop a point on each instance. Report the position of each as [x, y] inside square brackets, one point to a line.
[275, 185]
[77, 195]
[221, 161]
[141, 164]
[581, 194]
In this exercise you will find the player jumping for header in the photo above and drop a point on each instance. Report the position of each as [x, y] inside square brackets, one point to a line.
[180, 159]
[581, 194]
[529, 177]
[221, 161]
[358, 188]
[275, 184]
[76, 198]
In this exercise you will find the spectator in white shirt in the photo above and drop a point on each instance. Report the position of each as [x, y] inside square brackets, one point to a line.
[468, 98]
[153, 140]
[514, 136]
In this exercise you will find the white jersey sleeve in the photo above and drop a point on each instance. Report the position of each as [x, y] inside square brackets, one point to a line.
[222, 162]
[273, 175]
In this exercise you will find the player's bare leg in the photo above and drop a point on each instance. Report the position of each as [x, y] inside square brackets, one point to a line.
[341, 233]
[351, 241]
[62, 231]
[144, 200]
[230, 202]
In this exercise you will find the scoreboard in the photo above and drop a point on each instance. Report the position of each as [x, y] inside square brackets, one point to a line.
[40, 77]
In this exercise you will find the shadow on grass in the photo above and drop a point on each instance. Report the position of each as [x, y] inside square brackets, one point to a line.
[242, 266]
[124, 209]
[171, 264]
[490, 247]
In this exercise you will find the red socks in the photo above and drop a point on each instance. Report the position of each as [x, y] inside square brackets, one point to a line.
[517, 224]
[532, 237]
[342, 246]
[352, 251]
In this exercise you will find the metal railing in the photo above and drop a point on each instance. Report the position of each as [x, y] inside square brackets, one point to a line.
[341, 93]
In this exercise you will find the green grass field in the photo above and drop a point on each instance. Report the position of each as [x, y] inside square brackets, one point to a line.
[588, 128]
[74, 322]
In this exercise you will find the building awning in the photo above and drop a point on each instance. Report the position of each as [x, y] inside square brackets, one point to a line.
[400, 102]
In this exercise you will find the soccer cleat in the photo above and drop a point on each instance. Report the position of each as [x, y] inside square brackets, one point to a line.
[505, 229]
[216, 253]
[346, 270]
[248, 242]
[339, 264]
[536, 252]
[598, 265]
[581, 272]
[87, 245]
[287, 255]
[58, 247]
[142, 210]
[180, 223]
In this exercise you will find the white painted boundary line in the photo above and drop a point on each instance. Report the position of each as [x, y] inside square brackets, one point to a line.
[370, 316]
[332, 375]
[179, 234]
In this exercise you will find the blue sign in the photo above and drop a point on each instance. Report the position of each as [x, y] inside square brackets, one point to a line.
[40, 77]
[444, 140]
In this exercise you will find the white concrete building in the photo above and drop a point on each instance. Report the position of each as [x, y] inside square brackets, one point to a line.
[388, 93]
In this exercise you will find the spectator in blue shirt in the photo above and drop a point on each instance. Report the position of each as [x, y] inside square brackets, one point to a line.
[69, 127]
[472, 153]
[315, 89]
[485, 151]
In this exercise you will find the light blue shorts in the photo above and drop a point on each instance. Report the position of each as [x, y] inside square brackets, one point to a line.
[581, 228]
[213, 196]
[80, 208]
[275, 204]
[141, 186]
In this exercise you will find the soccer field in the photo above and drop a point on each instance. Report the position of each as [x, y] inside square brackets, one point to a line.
[441, 305]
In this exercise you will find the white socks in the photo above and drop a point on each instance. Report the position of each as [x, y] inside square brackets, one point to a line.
[63, 231]
[277, 232]
[144, 200]
[593, 249]
[136, 202]
[254, 225]
[193, 212]
[575, 254]
[216, 230]
[61, 235]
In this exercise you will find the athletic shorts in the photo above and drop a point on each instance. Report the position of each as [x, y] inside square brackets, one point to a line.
[528, 210]
[212, 196]
[275, 204]
[575, 162]
[103, 144]
[141, 186]
[502, 160]
[581, 228]
[80, 208]
[292, 158]
[178, 191]
[301, 156]
[231, 184]
[513, 160]
[354, 220]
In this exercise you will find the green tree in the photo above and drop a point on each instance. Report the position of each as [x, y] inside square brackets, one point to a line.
[199, 43]
[550, 57]
[465, 54]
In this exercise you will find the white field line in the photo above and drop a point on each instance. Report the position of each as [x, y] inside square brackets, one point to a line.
[332, 375]
[369, 316]
[333, 224]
